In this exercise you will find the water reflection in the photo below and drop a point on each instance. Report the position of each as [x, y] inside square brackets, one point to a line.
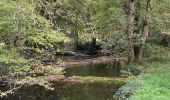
[101, 70]
[76, 91]
[67, 91]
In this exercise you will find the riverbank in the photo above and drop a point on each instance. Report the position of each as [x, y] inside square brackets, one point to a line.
[97, 60]
[152, 84]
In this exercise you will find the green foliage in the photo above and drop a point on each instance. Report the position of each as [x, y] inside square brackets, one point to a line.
[5, 19]
[133, 69]
[156, 53]
[126, 90]
[50, 70]
[20, 69]
[160, 14]
[11, 62]
[85, 19]
[10, 56]
[43, 35]
[24, 23]
[115, 42]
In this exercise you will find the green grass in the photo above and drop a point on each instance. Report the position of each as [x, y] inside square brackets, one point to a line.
[151, 85]
[154, 82]
[155, 85]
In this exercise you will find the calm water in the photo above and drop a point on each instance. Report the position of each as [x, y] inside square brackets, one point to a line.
[76, 91]
[67, 91]
[101, 70]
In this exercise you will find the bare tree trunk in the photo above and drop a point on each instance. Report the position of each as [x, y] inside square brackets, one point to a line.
[145, 29]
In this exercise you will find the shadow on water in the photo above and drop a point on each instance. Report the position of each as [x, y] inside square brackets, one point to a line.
[100, 70]
[67, 91]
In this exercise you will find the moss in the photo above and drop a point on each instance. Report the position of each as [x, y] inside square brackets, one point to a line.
[102, 79]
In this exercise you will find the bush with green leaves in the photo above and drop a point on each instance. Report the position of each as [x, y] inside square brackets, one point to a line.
[157, 53]
[133, 69]
[10, 57]
[127, 90]
[21, 25]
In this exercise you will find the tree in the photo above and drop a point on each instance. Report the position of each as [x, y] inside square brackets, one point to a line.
[145, 29]
[129, 9]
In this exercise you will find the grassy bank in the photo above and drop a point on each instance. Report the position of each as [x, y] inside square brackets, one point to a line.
[155, 84]
[154, 81]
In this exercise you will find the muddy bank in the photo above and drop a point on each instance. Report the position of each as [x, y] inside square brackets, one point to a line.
[62, 79]
[97, 60]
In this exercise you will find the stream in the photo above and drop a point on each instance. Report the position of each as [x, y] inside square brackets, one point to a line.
[99, 70]
[75, 91]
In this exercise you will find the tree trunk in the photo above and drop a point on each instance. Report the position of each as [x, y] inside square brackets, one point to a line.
[145, 30]
[76, 31]
[130, 29]
[168, 41]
